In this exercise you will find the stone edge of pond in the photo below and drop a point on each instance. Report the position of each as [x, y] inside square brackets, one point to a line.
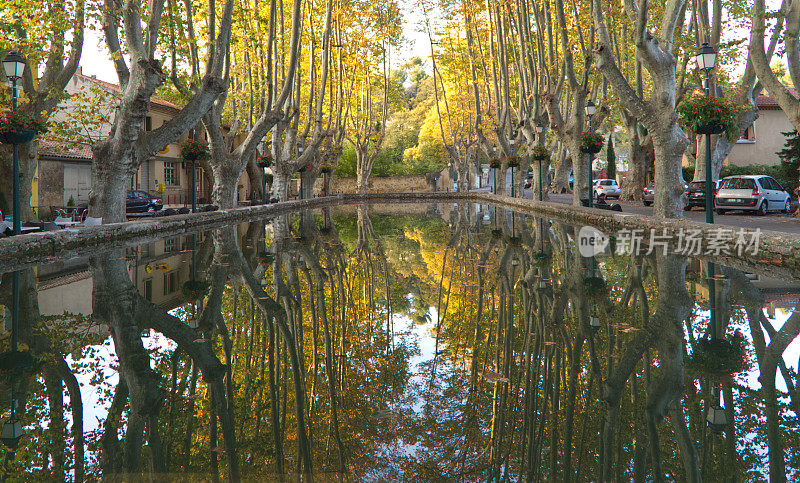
[779, 249]
[776, 248]
[41, 245]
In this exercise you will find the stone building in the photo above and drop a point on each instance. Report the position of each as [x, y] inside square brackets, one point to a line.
[760, 143]
[64, 170]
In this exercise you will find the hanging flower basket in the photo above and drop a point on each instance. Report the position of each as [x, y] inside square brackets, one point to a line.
[540, 153]
[591, 142]
[495, 163]
[541, 258]
[195, 289]
[18, 365]
[710, 115]
[497, 233]
[192, 150]
[594, 287]
[514, 240]
[19, 127]
[513, 161]
[718, 358]
[264, 161]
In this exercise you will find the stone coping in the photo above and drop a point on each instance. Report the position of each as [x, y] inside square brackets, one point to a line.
[779, 253]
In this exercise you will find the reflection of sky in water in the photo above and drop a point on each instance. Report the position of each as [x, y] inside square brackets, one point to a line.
[95, 404]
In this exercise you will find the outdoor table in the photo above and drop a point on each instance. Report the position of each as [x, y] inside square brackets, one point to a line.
[67, 224]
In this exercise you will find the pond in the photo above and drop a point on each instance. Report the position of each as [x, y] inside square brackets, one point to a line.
[441, 342]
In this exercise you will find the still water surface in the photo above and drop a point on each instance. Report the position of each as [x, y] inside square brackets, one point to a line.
[419, 343]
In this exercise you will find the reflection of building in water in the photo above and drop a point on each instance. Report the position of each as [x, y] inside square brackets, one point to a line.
[782, 293]
[158, 270]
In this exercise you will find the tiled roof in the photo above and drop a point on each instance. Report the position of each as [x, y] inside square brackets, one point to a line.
[764, 101]
[115, 88]
[58, 149]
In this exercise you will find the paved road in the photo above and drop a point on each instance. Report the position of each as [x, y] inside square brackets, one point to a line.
[773, 221]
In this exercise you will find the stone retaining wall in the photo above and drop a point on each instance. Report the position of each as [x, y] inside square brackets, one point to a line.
[779, 253]
[412, 183]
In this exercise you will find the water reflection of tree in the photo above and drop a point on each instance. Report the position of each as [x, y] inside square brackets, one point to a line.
[297, 365]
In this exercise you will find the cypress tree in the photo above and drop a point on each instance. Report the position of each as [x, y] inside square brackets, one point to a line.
[611, 166]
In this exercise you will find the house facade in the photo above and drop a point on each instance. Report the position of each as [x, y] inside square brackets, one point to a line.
[64, 169]
[761, 141]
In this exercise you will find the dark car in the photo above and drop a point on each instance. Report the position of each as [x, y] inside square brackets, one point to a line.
[142, 202]
[696, 193]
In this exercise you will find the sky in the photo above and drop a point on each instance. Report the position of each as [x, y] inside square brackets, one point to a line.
[95, 59]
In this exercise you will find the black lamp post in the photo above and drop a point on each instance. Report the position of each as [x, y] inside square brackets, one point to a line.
[540, 131]
[590, 110]
[302, 170]
[706, 60]
[14, 66]
[12, 429]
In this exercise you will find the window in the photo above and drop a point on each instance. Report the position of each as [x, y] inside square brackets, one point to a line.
[148, 289]
[148, 123]
[749, 135]
[739, 184]
[171, 174]
[170, 245]
[170, 282]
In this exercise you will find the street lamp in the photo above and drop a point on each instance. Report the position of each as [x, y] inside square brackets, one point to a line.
[14, 66]
[540, 131]
[590, 110]
[300, 153]
[706, 60]
[716, 416]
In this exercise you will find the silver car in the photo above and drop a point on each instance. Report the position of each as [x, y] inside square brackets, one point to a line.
[757, 193]
[606, 188]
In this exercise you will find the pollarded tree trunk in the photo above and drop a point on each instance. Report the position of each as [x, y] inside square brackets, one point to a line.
[364, 160]
[669, 175]
[111, 178]
[545, 169]
[639, 161]
[308, 178]
[280, 184]
[563, 167]
[225, 183]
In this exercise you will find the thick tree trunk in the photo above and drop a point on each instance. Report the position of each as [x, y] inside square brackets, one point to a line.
[111, 178]
[545, 169]
[669, 175]
[640, 159]
[308, 180]
[563, 168]
[580, 175]
[280, 185]
[225, 184]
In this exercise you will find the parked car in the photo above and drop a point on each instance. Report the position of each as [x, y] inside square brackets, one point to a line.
[696, 193]
[649, 194]
[757, 193]
[606, 188]
[142, 202]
